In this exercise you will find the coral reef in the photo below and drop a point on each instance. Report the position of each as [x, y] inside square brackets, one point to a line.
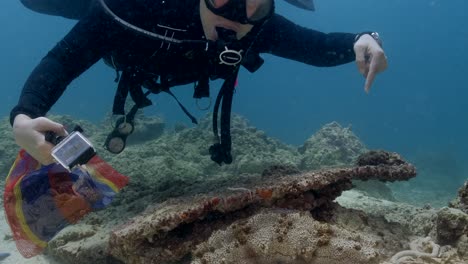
[419, 225]
[372, 188]
[331, 146]
[450, 225]
[377, 157]
[175, 227]
[461, 202]
[80, 244]
[185, 153]
[335, 146]
[279, 236]
[417, 221]
[256, 219]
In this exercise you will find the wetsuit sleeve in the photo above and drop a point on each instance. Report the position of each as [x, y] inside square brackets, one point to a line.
[285, 39]
[83, 46]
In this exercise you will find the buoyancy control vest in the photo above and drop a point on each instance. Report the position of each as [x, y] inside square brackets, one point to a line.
[213, 60]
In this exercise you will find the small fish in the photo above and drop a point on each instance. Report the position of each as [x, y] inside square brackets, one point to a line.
[4, 255]
[304, 4]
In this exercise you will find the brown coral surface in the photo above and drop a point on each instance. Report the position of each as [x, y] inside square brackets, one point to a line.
[174, 228]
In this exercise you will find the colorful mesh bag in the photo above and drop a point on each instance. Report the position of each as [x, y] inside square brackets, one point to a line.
[40, 200]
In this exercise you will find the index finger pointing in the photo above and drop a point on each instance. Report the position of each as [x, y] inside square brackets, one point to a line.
[370, 78]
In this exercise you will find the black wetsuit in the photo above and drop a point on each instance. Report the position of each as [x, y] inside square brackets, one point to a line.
[98, 36]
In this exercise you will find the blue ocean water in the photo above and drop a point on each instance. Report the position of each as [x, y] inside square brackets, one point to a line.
[417, 107]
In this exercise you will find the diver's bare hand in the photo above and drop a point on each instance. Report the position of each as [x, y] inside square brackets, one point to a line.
[370, 58]
[29, 134]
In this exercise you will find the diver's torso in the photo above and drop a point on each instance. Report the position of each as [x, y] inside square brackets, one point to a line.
[176, 20]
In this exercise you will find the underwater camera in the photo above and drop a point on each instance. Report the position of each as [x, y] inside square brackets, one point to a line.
[74, 149]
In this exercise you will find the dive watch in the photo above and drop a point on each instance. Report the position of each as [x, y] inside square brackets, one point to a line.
[373, 34]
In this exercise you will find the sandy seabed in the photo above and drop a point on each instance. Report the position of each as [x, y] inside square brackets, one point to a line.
[8, 245]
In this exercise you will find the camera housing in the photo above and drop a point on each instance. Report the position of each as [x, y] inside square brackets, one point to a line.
[74, 149]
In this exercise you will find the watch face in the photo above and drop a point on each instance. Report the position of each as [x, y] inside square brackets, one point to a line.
[376, 36]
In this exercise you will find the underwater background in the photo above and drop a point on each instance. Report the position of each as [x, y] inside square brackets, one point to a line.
[418, 107]
[286, 112]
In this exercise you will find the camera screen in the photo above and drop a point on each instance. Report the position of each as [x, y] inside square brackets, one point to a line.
[69, 151]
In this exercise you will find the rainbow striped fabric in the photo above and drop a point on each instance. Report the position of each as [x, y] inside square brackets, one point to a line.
[40, 200]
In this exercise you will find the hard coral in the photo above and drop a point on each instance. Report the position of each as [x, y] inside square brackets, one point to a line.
[451, 224]
[175, 228]
[291, 236]
[376, 157]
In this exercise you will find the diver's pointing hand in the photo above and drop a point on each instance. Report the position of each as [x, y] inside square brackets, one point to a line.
[29, 134]
[370, 58]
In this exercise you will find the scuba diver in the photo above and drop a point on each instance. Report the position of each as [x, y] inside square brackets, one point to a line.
[156, 45]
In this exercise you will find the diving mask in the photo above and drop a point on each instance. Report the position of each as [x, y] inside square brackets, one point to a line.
[252, 12]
